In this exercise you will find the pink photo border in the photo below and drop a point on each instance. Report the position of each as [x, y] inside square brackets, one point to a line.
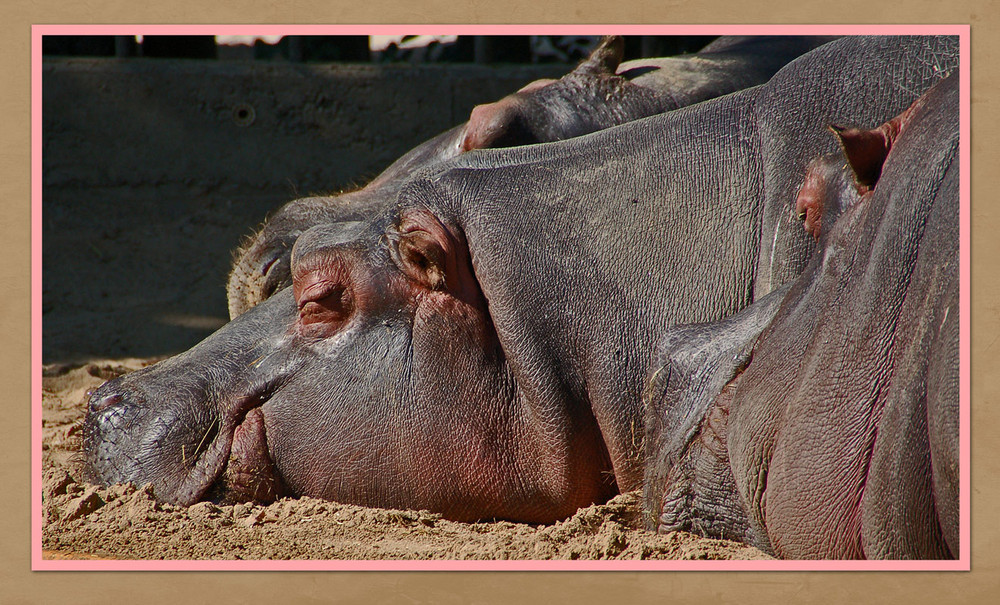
[963, 563]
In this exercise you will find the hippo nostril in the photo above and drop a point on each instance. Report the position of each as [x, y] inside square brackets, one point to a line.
[98, 404]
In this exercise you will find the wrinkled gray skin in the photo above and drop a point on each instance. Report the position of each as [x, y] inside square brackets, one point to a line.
[600, 93]
[479, 349]
[822, 422]
[262, 265]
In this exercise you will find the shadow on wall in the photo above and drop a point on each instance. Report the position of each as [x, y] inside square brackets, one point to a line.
[155, 165]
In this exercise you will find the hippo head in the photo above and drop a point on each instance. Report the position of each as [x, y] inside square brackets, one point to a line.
[262, 265]
[589, 98]
[376, 379]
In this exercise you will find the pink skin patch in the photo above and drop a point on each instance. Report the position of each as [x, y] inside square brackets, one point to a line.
[809, 201]
[489, 121]
[250, 474]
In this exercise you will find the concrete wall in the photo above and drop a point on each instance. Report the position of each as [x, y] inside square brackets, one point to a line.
[218, 125]
[154, 170]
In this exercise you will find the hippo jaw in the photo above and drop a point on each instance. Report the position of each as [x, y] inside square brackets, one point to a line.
[249, 474]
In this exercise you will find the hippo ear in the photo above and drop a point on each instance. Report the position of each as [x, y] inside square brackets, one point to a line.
[605, 58]
[421, 257]
[865, 151]
[487, 123]
[426, 251]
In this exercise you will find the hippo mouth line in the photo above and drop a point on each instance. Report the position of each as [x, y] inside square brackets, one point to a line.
[236, 465]
[247, 472]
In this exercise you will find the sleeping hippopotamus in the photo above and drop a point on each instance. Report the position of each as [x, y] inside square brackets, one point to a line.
[822, 421]
[600, 93]
[479, 347]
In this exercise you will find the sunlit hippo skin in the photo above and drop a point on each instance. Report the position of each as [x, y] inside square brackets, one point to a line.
[480, 348]
[822, 421]
[600, 93]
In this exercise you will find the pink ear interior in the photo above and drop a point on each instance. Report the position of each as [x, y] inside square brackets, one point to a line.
[435, 257]
[422, 259]
[865, 151]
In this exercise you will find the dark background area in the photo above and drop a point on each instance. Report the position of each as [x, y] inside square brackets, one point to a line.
[310, 49]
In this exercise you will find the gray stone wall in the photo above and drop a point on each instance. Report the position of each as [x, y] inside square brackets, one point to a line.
[155, 170]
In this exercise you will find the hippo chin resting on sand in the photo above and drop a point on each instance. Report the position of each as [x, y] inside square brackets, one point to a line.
[479, 344]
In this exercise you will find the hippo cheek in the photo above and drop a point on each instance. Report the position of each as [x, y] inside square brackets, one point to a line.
[332, 433]
[357, 454]
[366, 436]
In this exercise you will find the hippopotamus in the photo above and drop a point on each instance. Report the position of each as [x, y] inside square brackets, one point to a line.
[479, 347]
[822, 421]
[600, 93]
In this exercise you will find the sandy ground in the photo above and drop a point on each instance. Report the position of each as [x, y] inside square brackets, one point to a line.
[131, 276]
[124, 522]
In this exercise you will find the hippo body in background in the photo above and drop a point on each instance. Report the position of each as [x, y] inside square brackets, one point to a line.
[604, 92]
[590, 98]
[479, 348]
[822, 421]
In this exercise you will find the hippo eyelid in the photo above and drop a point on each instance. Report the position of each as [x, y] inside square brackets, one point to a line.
[318, 291]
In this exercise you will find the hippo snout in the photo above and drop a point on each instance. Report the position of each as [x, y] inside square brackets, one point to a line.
[189, 442]
[179, 449]
[108, 415]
